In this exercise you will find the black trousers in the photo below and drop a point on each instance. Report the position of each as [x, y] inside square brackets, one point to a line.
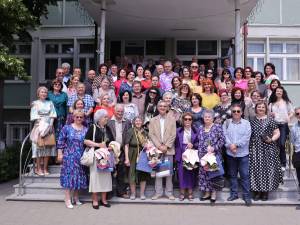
[121, 186]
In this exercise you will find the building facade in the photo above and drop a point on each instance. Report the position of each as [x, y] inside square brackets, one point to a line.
[152, 30]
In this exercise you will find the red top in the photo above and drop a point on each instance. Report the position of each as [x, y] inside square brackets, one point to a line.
[146, 84]
[195, 76]
[117, 85]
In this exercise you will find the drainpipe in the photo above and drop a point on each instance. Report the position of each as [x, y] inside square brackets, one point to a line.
[237, 38]
[245, 34]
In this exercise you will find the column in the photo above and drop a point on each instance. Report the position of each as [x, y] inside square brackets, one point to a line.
[102, 32]
[34, 68]
[237, 38]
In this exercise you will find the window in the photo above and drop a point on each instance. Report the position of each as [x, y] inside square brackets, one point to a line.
[51, 48]
[186, 47]
[57, 53]
[260, 64]
[276, 48]
[207, 47]
[87, 48]
[278, 67]
[23, 51]
[134, 47]
[155, 47]
[292, 48]
[256, 48]
[292, 69]
[15, 133]
[250, 62]
[226, 48]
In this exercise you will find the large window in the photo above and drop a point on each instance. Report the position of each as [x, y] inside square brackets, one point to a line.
[16, 132]
[155, 47]
[186, 47]
[23, 51]
[207, 47]
[256, 48]
[256, 55]
[57, 53]
[86, 56]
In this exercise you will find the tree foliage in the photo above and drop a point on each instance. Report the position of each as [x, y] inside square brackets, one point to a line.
[17, 17]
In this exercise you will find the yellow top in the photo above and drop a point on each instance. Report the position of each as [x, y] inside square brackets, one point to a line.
[192, 84]
[197, 89]
[209, 101]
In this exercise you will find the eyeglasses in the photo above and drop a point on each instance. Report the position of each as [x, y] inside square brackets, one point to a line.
[194, 67]
[236, 111]
[153, 92]
[188, 119]
[79, 117]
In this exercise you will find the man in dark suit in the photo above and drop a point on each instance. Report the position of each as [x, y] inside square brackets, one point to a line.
[119, 126]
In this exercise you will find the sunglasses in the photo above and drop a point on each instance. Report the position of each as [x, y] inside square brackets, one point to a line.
[79, 117]
[236, 111]
[188, 119]
[153, 92]
[297, 114]
[194, 66]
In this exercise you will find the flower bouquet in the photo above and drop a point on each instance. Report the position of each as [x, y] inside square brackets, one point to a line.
[190, 159]
[153, 154]
[209, 162]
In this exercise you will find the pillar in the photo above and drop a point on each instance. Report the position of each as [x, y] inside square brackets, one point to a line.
[102, 32]
[237, 38]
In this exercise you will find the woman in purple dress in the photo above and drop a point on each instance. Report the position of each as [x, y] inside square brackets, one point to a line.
[211, 139]
[70, 149]
[186, 138]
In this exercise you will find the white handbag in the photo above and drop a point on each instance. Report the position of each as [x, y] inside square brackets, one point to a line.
[87, 159]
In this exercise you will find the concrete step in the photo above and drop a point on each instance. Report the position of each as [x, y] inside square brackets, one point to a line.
[290, 192]
[33, 178]
[162, 201]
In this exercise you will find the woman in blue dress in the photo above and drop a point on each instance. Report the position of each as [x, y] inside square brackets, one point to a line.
[70, 149]
[196, 109]
[59, 100]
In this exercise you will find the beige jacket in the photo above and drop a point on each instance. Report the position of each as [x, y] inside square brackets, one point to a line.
[169, 133]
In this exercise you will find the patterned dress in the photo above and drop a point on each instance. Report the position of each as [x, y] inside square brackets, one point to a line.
[216, 139]
[41, 111]
[264, 163]
[72, 175]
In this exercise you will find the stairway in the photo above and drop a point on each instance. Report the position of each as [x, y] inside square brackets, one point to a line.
[48, 189]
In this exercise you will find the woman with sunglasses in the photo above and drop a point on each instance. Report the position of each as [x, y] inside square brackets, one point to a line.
[70, 149]
[151, 100]
[186, 138]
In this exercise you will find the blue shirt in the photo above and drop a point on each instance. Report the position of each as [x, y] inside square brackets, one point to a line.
[87, 99]
[295, 136]
[237, 133]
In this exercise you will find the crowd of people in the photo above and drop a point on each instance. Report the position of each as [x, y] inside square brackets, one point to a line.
[237, 115]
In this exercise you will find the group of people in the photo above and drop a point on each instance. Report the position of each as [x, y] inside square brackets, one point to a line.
[238, 115]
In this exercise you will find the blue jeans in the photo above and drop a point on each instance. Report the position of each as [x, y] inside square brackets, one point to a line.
[240, 165]
[284, 131]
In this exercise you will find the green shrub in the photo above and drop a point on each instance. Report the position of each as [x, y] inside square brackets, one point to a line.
[9, 162]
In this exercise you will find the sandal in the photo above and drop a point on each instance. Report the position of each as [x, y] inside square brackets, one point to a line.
[190, 197]
[181, 197]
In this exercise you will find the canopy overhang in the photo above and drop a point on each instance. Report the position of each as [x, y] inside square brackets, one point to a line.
[207, 19]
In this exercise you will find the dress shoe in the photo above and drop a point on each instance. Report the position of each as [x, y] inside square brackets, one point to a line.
[107, 205]
[256, 195]
[232, 198]
[95, 206]
[204, 198]
[248, 202]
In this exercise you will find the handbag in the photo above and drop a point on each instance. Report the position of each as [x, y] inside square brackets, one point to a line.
[142, 164]
[47, 141]
[87, 158]
[164, 169]
[218, 183]
[296, 159]
[216, 173]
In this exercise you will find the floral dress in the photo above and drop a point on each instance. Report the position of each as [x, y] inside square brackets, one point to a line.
[216, 139]
[72, 175]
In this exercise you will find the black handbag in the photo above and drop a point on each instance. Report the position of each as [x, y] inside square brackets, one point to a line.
[296, 159]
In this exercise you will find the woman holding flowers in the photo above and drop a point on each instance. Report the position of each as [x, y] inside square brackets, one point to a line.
[186, 138]
[211, 140]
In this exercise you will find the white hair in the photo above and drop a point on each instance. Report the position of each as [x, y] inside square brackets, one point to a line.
[66, 65]
[99, 114]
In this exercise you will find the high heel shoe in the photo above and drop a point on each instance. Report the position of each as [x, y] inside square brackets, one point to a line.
[204, 198]
[69, 204]
[213, 197]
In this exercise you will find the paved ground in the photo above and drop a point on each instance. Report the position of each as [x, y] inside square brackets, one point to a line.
[43, 213]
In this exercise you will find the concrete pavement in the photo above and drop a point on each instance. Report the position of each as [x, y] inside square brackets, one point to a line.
[48, 213]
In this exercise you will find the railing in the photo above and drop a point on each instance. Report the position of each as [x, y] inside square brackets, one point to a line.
[22, 168]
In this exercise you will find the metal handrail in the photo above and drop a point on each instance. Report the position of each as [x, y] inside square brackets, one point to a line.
[21, 184]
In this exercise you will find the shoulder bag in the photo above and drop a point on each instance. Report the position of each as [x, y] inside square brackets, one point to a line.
[87, 159]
